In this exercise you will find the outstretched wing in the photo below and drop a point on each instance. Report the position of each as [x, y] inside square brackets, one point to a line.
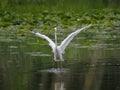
[51, 43]
[67, 40]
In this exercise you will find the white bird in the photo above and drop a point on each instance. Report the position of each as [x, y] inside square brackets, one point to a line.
[59, 50]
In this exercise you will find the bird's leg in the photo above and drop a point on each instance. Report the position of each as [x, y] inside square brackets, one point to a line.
[59, 65]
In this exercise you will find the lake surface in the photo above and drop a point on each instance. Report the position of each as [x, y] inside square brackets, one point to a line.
[92, 62]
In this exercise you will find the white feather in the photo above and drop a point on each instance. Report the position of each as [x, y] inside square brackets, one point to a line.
[59, 50]
[68, 39]
[51, 43]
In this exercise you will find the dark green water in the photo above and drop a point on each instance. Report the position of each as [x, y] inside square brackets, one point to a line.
[92, 59]
[27, 64]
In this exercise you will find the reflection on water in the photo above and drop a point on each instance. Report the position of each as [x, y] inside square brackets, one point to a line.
[28, 66]
[85, 78]
[58, 82]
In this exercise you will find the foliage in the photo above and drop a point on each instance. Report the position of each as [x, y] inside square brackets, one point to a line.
[3, 5]
[103, 20]
[46, 20]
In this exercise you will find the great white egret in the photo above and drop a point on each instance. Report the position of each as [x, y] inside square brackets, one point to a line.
[59, 50]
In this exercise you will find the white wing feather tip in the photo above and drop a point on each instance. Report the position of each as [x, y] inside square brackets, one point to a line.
[67, 40]
[51, 43]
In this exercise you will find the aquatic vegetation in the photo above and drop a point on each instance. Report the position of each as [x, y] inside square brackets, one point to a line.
[47, 19]
[95, 53]
[106, 21]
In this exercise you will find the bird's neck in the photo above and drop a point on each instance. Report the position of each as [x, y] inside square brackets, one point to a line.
[56, 37]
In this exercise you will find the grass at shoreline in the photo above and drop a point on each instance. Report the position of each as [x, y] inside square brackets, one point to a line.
[46, 16]
[96, 16]
[28, 6]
